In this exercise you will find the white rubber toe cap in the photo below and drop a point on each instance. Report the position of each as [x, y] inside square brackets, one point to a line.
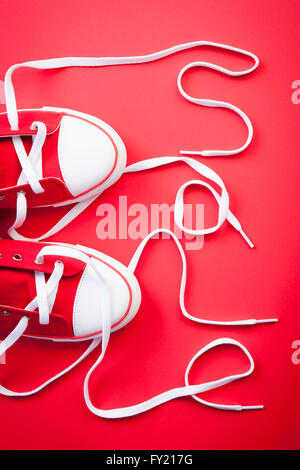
[86, 153]
[125, 297]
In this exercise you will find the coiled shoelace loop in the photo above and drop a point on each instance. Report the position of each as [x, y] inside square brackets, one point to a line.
[223, 199]
[187, 390]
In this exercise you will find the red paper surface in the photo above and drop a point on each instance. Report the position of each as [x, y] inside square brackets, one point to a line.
[226, 279]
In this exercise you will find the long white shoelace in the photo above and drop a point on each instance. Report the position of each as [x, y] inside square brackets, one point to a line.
[51, 289]
[136, 257]
[36, 151]
[187, 390]
[200, 168]
[222, 200]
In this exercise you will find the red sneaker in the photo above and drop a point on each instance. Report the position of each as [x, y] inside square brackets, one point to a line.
[68, 305]
[87, 295]
[73, 158]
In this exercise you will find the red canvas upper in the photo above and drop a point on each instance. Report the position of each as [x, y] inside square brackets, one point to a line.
[52, 181]
[54, 185]
[18, 288]
[26, 118]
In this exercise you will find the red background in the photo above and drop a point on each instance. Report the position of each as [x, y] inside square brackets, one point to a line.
[226, 280]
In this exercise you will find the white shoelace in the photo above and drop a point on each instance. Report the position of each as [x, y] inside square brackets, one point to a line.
[45, 300]
[27, 170]
[133, 264]
[223, 200]
[31, 165]
[187, 390]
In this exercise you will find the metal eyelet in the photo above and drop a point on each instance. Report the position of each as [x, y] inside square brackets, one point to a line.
[2, 197]
[34, 125]
[17, 257]
[39, 262]
[0, 255]
[5, 313]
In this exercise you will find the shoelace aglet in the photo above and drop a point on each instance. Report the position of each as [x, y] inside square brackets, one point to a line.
[253, 407]
[253, 321]
[247, 239]
[267, 320]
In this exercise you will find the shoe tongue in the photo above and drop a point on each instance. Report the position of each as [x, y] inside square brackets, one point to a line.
[50, 118]
[22, 255]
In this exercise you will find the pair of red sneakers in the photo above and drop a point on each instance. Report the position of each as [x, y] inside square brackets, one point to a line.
[61, 292]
